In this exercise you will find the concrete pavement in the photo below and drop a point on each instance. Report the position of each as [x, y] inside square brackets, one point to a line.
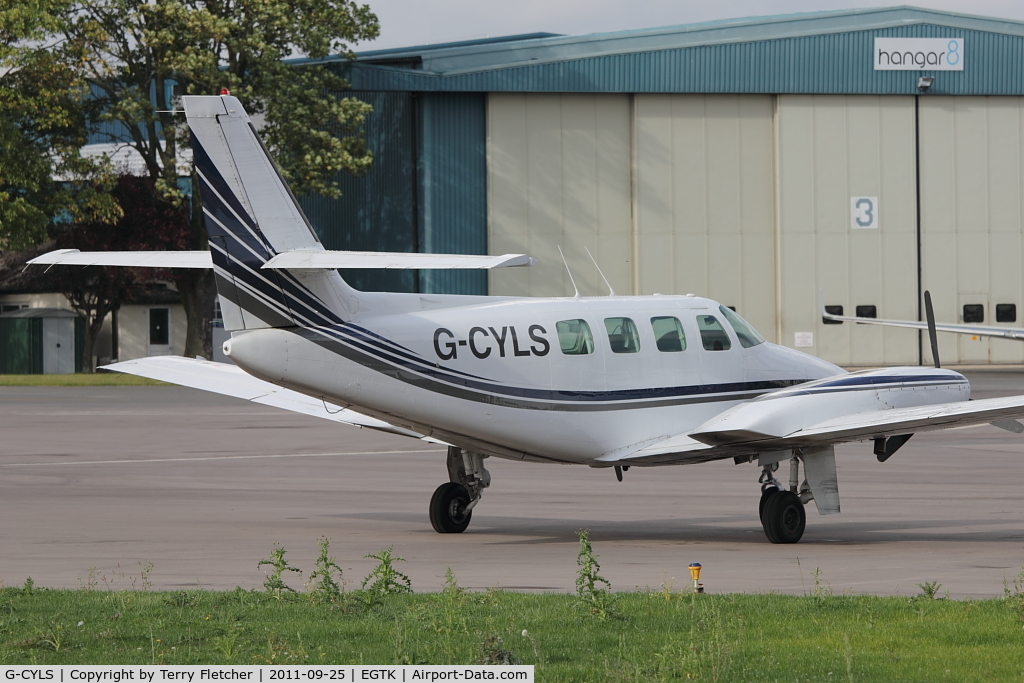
[103, 479]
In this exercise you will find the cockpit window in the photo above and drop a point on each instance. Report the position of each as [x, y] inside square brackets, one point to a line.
[668, 333]
[622, 335]
[574, 337]
[712, 336]
[748, 336]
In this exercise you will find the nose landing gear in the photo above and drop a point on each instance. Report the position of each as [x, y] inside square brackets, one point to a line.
[451, 506]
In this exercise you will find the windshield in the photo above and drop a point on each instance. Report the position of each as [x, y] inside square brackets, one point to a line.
[748, 336]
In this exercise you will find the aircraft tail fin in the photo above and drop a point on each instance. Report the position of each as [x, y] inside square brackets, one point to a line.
[251, 217]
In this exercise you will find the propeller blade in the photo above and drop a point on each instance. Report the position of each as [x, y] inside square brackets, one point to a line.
[930, 314]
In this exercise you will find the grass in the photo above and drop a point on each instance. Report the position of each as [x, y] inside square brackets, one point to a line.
[100, 379]
[650, 636]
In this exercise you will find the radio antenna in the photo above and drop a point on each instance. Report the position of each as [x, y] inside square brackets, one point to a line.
[611, 292]
[575, 289]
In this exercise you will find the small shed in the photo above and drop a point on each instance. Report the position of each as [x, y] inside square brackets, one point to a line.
[41, 341]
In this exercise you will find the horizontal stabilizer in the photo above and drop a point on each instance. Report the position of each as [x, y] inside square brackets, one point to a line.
[289, 260]
[230, 380]
[132, 259]
[292, 260]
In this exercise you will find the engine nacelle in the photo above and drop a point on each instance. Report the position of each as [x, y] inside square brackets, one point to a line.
[781, 413]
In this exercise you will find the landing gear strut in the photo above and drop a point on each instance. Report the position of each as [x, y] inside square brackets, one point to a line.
[781, 510]
[451, 506]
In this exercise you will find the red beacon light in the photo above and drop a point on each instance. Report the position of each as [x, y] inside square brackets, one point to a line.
[225, 91]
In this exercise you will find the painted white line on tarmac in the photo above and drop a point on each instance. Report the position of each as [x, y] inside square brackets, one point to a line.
[214, 457]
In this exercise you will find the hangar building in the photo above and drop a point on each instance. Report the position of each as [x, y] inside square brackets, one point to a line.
[753, 161]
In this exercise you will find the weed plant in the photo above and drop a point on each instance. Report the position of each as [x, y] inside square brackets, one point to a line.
[596, 600]
[322, 585]
[275, 584]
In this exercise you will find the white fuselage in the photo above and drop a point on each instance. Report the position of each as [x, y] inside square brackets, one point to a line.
[494, 376]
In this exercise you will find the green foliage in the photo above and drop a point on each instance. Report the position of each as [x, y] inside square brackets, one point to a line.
[598, 601]
[44, 124]
[322, 585]
[134, 58]
[384, 579]
[130, 49]
[275, 584]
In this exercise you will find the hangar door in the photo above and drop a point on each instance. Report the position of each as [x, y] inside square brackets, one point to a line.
[704, 200]
[559, 175]
[671, 193]
[833, 151]
[972, 220]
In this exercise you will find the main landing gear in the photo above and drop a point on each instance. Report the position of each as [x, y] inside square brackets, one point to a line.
[781, 510]
[451, 506]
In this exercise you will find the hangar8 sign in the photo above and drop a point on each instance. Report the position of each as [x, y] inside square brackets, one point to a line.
[919, 54]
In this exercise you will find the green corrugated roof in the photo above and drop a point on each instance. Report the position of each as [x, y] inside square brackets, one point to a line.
[810, 52]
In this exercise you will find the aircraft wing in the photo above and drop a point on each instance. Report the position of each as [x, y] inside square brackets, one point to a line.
[717, 439]
[977, 330]
[289, 260]
[230, 380]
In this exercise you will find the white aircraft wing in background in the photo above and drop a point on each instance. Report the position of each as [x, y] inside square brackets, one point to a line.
[230, 380]
[976, 330]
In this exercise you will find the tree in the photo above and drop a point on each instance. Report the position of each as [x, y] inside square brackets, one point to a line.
[149, 222]
[42, 130]
[135, 55]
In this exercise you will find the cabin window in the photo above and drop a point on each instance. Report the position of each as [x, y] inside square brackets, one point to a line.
[622, 335]
[747, 335]
[712, 335]
[574, 337]
[668, 334]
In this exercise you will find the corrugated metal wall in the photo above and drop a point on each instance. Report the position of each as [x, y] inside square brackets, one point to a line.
[377, 211]
[21, 346]
[426, 191]
[453, 187]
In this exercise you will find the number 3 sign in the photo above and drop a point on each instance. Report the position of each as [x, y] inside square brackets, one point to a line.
[864, 213]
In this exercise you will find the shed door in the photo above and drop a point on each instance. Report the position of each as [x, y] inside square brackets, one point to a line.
[58, 346]
[159, 323]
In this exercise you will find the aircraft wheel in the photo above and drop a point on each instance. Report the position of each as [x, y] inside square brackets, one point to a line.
[784, 518]
[765, 495]
[448, 509]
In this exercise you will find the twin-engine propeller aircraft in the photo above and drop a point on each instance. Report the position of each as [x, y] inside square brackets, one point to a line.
[615, 382]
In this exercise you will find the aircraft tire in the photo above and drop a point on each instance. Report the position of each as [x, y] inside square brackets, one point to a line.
[765, 495]
[445, 504]
[784, 518]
